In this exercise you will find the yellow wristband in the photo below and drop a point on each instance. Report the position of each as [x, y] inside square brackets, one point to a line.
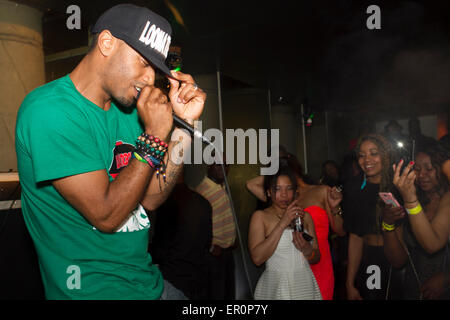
[414, 210]
[388, 227]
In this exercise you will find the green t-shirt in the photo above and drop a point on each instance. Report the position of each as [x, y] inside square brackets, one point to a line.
[60, 133]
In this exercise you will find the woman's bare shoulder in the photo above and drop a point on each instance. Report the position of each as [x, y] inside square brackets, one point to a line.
[259, 215]
[262, 214]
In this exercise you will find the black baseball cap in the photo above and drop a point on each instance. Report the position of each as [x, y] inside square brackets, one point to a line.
[145, 31]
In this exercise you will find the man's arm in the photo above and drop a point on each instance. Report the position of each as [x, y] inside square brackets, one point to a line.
[159, 190]
[187, 101]
[106, 204]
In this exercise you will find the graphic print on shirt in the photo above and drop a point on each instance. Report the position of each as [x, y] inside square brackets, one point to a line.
[121, 157]
[138, 219]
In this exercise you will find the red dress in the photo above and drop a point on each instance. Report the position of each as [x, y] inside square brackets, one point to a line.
[323, 270]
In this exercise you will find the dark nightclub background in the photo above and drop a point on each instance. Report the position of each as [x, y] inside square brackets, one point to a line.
[260, 64]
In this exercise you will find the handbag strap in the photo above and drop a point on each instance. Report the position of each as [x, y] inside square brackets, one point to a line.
[419, 284]
[388, 284]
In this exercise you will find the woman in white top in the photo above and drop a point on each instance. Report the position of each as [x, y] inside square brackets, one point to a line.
[286, 253]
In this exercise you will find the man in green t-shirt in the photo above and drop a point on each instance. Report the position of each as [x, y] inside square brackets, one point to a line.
[83, 194]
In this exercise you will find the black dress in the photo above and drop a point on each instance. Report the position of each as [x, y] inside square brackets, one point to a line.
[360, 218]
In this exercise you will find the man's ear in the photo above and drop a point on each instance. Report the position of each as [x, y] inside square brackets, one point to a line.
[106, 43]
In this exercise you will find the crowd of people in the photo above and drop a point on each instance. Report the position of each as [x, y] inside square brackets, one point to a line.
[382, 249]
[111, 216]
[352, 245]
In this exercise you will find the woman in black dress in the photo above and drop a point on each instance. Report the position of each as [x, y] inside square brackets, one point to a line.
[368, 270]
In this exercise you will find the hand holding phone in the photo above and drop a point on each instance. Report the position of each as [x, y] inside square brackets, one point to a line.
[394, 213]
[306, 236]
[388, 198]
[299, 228]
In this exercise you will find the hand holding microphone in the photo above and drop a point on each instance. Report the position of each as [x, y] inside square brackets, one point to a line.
[187, 100]
[155, 111]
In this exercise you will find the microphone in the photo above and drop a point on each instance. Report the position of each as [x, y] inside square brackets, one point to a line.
[194, 132]
[183, 124]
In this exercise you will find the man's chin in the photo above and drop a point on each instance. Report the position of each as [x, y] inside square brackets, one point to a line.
[127, 103]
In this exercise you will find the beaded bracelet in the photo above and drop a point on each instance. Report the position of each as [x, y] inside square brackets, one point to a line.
[152, 150]
[154, 163]
[152, 145]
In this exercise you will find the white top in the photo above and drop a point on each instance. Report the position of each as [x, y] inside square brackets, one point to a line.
[288, 275]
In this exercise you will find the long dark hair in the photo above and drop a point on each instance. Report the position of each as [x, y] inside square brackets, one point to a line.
[386, 185]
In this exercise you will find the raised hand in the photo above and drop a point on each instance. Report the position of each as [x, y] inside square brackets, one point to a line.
[292, 211]
[404, 182]
[187, 98]
[334, 197]
[155, 111]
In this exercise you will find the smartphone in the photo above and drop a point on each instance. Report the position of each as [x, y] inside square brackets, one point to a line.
[299, 228]
[388, 198]
[306, 236]
[403, 150]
